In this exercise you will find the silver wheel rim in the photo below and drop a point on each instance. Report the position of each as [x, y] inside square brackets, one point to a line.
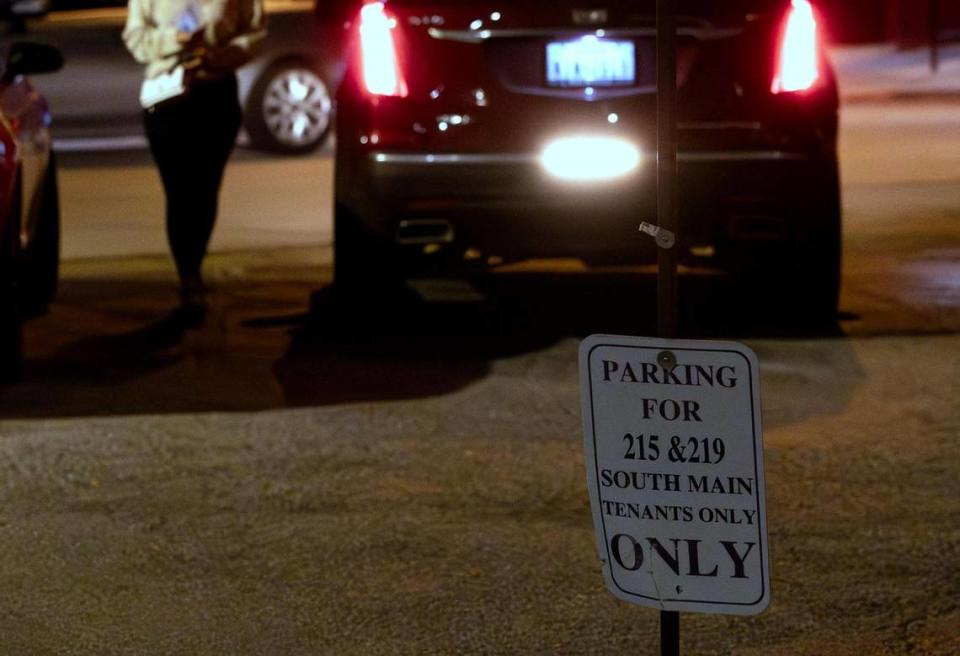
[296, 107]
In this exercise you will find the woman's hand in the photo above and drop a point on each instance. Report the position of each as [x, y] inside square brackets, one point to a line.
[192, 50]
[188, 39]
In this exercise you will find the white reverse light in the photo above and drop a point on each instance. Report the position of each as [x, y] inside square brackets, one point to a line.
[590, 158]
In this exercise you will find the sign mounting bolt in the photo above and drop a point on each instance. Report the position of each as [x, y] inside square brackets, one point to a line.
[667, 360]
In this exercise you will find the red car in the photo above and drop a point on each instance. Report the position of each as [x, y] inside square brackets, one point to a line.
[29, 209]
[475, 132]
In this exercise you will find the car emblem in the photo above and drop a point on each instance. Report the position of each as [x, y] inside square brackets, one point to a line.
[590, 16]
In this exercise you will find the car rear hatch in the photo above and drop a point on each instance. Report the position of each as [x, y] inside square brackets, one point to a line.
[509, 78]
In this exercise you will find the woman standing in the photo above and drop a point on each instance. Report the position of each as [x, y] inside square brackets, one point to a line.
[192, 133]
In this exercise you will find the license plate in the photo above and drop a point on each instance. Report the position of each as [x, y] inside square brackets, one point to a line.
[591, 62]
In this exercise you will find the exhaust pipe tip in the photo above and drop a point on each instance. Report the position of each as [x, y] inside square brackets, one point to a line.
[424, 231]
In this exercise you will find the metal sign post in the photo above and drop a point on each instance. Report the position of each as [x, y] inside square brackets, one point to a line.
[668, 426]
[649, 489]
[934, 27]
[667, 166]
[667, 222]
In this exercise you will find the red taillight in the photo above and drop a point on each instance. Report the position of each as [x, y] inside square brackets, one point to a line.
[798, 62]
[381, 68]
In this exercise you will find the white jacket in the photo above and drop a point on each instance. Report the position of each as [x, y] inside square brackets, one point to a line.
[231, 31]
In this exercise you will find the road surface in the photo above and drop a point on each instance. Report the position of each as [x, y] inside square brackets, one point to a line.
[306, 478]
[113, 203]
[901, 167]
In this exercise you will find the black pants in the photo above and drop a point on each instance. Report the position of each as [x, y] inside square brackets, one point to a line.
[191, 139]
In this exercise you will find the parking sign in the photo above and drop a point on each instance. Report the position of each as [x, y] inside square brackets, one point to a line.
[674, 455]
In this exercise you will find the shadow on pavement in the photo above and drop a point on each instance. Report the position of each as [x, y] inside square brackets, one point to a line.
[111, 359]
[258, 350]
[412, 347]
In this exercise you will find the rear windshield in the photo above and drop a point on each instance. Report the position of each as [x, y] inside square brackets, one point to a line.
[715, 11]
[719, 10]
[683, 6]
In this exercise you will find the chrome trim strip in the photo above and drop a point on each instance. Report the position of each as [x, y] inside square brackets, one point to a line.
[479, 36]
[527, 158]
[453, 158]
[721, 125]
[599, 93]
[740, 156]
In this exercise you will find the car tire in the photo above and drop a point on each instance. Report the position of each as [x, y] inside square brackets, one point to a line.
[41, 263]
[816, 268]
[11, 320]
[816, 277]
[802, 280]
[363, 266]
[290, 109]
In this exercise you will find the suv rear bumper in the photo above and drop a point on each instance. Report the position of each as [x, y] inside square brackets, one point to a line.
[506, 204]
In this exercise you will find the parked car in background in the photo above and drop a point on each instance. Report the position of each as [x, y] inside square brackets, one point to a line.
[474, 132]
[29, 205]
[286, 91]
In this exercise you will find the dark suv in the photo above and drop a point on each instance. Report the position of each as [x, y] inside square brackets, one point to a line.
[477, 132]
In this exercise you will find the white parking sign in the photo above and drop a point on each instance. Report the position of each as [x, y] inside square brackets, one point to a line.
[674, 454]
